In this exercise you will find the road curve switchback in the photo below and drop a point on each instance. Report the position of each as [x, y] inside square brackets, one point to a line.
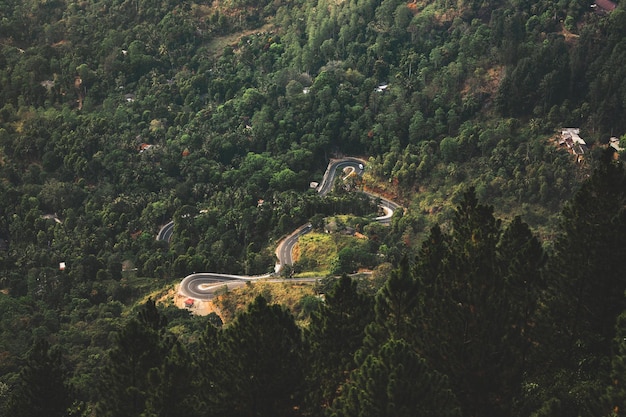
[202, 286]
[166, 232]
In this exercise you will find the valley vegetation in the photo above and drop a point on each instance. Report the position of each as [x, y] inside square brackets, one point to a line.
[499, 291]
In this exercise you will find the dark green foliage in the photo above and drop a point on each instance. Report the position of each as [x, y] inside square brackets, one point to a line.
[210, 371]
[239, 126]
[523, 258]
[133, 367]
[150, 316]
[171, 393]
[395, 381]
[584, 267]
[479, 287]
[587, 288]
[335, 334]
[615, 397]
[395, 309]
[260, 363]
[42, 388]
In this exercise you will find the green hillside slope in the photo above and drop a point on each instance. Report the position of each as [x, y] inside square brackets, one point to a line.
[117, 116]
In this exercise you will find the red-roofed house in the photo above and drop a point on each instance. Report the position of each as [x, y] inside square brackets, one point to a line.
[574, 143]
[144, 147]
[604, 6]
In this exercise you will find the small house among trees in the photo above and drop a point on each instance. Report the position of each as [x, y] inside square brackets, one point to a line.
[614, 143]
[571, 139]
[603, 6]
[144, 147]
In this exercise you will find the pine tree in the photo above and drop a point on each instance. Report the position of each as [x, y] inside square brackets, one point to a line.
[150, 316]
[260, 362]
[520, 262]
[586, 277]
[139, 351]
[395, 382]
[615, 397]
[212, 368]
[172, 393]
[42, 389]
[336, 332]
[477, 307]
[522, 259]
[586, 286]
[395, 310]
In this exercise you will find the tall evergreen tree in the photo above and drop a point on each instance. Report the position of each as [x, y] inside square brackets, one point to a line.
[586, 276]
[139, 351]
[172, 392]
[260, 361]
[395, 382]
[150, 316]
[335, 334]
[586, 286]
[211, 370]
[42, 389]
[474, 318]
[522, 259]
[395, 310]
[614, 401]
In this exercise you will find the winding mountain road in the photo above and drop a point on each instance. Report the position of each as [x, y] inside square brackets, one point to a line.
[166, 232]
[202, 286]
[284, 249]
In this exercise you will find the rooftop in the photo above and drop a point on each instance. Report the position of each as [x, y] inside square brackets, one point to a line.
[604, 5]
[614, 143]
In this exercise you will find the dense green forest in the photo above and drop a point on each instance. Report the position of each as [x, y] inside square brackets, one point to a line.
[505, 294]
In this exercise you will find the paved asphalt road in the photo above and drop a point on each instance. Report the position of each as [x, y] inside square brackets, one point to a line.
[285, 247]
[202, 286]
[166, 232]
[388, 206]
[338, 165]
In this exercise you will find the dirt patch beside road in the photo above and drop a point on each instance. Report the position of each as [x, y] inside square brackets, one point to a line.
[199, 307]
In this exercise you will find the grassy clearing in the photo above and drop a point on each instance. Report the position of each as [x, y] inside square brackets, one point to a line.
[287, 294]
[216, 45]
[313, 274]
[318, 246]
[315, 253]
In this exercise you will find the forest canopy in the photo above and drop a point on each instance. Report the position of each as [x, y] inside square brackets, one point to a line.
[117, 117]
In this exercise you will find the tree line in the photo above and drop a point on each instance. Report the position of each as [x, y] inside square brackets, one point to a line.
[118, 116]
[483, 321]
